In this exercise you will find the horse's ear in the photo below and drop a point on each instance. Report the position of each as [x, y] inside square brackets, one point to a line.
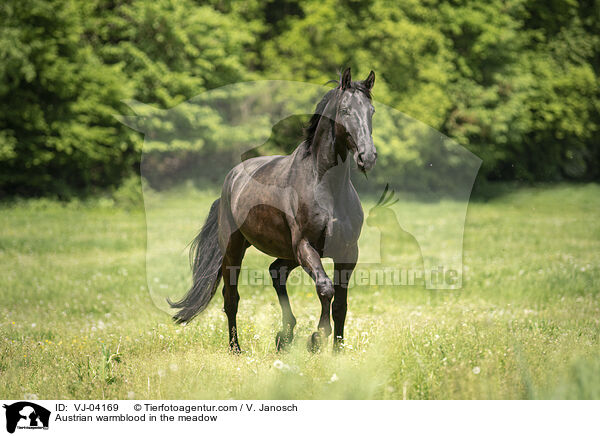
[370, 80]
[346, 79]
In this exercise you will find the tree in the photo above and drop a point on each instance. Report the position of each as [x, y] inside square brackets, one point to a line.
[57, 101]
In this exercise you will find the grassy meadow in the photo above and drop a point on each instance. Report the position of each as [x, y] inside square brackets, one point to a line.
[82, 315]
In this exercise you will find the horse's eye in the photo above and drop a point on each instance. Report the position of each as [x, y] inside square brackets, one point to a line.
[345, 111]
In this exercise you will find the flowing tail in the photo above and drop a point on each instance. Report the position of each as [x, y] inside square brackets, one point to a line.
[206, 259]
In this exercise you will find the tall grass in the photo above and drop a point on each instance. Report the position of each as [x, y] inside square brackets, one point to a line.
[77, 318]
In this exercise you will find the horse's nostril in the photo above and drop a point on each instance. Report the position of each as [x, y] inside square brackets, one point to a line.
[360, 158]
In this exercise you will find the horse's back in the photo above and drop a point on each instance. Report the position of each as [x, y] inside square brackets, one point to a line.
[256, 198]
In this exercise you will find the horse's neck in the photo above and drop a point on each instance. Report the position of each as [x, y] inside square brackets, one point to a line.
[331, 170]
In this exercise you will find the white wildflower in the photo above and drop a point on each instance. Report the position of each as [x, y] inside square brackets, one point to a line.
[281, 366]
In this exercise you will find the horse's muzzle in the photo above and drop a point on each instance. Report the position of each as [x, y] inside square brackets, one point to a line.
[366, 160]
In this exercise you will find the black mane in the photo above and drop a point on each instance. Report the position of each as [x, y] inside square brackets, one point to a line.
[311, 128]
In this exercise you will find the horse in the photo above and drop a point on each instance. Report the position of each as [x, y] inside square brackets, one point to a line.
[297, 208]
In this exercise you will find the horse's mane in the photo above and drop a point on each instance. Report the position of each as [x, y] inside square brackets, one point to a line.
[311, 128]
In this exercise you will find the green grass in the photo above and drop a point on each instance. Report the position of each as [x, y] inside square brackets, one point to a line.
[77, 319]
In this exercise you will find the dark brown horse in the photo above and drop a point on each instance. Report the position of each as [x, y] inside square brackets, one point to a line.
[297, 208]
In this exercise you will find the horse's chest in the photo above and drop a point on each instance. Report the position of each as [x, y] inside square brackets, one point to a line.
[341, 230]
[334, 224]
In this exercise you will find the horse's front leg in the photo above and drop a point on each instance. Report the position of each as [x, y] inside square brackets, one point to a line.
[280, 270]
[343, 269]
[310, 260]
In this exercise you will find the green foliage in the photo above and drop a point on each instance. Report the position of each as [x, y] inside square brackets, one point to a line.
[57, 101]
[129, 194]
[515, 81]
[171, 50]
[69, 65]
[527, 95]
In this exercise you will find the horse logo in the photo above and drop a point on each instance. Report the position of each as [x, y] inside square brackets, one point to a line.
[26, 415]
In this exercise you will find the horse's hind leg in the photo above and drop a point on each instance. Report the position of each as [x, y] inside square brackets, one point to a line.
[232, 262]
[280, 270]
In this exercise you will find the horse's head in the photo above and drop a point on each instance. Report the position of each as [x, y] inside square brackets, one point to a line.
[353, 119]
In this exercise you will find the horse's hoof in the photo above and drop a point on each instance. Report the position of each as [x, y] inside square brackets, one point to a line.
[282, 341]
[235, 349]
[314, 342]
[338, 346]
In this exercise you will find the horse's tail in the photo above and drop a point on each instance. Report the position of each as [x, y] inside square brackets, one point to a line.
[206, 259]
